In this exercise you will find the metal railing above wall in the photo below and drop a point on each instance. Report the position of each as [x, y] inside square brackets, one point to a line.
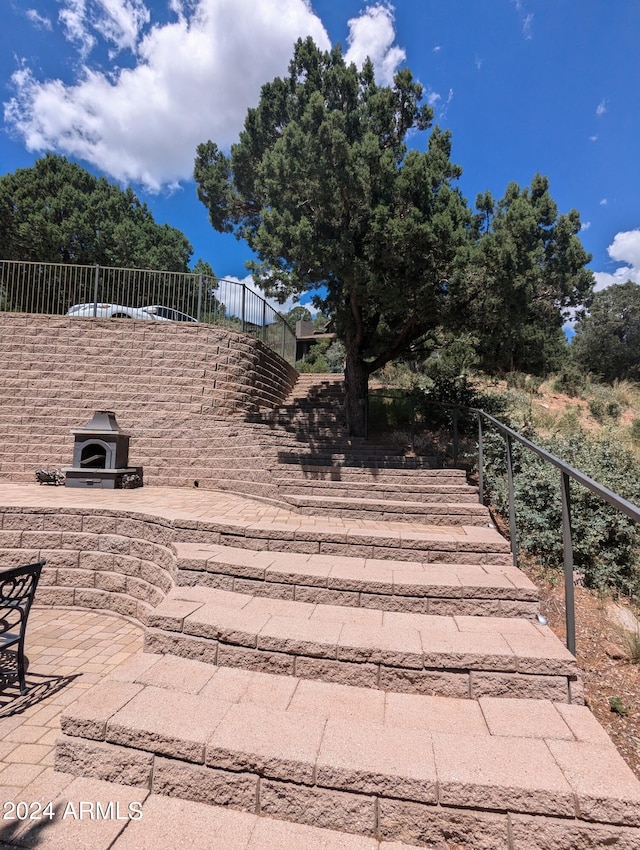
[54, 288]
[567, 473]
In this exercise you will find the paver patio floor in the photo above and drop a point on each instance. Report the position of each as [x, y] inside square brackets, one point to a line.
[174, 503]
[68, 651]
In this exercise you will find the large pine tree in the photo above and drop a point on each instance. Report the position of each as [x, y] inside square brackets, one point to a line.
[323, 188]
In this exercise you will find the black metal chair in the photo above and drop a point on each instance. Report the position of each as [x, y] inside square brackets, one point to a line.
[17, 589]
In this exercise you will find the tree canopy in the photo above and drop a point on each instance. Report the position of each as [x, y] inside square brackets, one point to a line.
[525, 269]
[326, 191]
[607, 340]
[323, 188]
[57, 212]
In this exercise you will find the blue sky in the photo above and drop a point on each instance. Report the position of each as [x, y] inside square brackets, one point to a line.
[128, 88]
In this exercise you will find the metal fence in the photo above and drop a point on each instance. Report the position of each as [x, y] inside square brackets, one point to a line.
[105, 292]
[566, 472]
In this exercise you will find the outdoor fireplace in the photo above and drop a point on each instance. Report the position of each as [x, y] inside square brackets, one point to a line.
[101, 456]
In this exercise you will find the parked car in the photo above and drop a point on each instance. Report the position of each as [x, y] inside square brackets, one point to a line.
[169, 313]
[109, 311]
[156, 312]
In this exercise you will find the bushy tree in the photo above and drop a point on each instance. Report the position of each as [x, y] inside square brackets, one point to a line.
[524, 271]
[57, 212]
[324, 190]
[607, 340]
[298, 314]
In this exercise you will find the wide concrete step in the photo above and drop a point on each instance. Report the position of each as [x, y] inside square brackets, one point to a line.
[250, 530]
[166, 823]
[498, 774]
[461, 656]
[431, 513]
[410, 492]
[479, 590]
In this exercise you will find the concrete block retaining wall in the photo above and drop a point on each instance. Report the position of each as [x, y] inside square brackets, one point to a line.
[170, 384]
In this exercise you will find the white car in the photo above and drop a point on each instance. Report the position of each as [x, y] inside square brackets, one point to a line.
[155, 312]
[168, 314]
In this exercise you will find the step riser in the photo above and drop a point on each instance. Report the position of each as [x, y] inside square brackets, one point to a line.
[430, 553]
[373, 463]
[370, 809]
[447, 681]
[307, 541]
[333, 472]
[383, 515]
[366, 491]
[436, 605]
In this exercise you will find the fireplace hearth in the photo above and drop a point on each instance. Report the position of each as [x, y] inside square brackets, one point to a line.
[101, 456]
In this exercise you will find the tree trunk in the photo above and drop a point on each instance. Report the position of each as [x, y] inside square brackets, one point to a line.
[356, 377]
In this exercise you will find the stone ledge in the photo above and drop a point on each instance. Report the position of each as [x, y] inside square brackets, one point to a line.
[291, 747]
[359, 582]
[489, 656]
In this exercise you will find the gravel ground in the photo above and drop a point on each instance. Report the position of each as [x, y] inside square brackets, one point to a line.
[607, 678]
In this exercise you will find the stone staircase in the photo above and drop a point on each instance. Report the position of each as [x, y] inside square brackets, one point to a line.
[320, 471]
[380, 680]
[351, 663]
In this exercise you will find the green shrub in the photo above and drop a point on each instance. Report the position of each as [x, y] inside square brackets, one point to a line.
[634, 430]
[604, 405]
[617, 705]
[612, 409]
[606, 547]
[516, 380]
[461, 391]
[570, 381]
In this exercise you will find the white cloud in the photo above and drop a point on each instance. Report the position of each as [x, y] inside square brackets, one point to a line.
[435, 101]
[372, 34]
[433, 98]
[193, 80]
[601, 108]
[585, 225]
[38, 20]
[593, 138]
[625, 248]
[604, 202]
[526, 18]
[119, 22]
[73, 18]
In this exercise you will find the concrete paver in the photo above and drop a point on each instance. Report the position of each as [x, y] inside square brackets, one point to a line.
[321, 751]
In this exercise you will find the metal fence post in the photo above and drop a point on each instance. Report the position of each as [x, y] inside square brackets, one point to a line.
[96, 281]
[480, 462]
[199, 313]
[512, 503]
[284, 338]
[455, 436]
[244, 300]
[569, 593]
[413, 424]
[264, 320]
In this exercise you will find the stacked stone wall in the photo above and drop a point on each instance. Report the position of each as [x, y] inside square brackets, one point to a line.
[175, 387]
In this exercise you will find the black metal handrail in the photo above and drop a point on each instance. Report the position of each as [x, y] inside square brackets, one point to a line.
[567, 473]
